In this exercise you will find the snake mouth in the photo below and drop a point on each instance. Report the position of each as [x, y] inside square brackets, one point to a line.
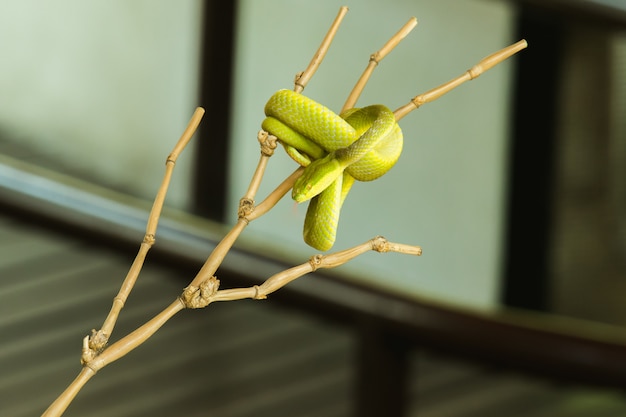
[302, 195]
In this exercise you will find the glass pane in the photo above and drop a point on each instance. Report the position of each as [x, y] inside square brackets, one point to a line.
[100, 90]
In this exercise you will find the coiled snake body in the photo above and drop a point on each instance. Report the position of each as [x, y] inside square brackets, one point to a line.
[361, 143]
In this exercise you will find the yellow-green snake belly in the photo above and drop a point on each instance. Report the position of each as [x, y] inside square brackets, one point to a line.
[361, 143]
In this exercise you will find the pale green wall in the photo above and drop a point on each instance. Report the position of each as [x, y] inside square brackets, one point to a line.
[106, 87]
[446, 192]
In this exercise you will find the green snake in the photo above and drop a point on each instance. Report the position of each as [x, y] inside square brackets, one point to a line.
[360, 144]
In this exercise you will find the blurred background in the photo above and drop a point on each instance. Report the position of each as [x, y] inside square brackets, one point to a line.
[513, 184]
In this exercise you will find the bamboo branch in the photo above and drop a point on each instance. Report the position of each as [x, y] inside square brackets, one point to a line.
[302, 78]
[279, 280]
[58, 407]
[268, 145]
[110, 354]
[275, 196]
[219, 253]
[247, 213]
[375, 58]
[99, 338]
[472, 73]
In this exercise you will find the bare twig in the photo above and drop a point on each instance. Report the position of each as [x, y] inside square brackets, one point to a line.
[247, 212]
[485, 64]
[375, 58]
[275, 196]
[279, 280]
[302, 78]
[93, 356]
[99, 338]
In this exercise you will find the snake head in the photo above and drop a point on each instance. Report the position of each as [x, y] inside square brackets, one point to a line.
[317, 177]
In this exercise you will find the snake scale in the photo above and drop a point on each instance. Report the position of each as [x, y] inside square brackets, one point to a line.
[359, 144]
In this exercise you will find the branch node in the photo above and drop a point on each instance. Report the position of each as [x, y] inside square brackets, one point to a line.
[475, 71]
[375, 58]
[258, 295]
[149, 239]
[89, 354]
[200, 297]
[316, 262]
[380, 244]
[418, 101]
[171, 159]
[268, 143]
[98, 340]
[246, 207]
[298, 86]
[120, 300]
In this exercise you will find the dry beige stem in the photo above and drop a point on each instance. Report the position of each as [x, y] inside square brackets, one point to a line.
[111, 354]
[375, 58]
[302, 78]
[470, 74]
[219, 253]
[58, 407]
[275, 196]
[268, 146]
[99, 339]
[204, 288]
[279, 280]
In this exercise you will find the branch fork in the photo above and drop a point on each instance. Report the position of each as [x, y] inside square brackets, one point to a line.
[201, 296]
